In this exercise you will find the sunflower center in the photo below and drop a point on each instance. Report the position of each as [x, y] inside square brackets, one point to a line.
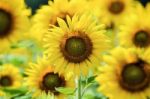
[116, 7]
[5, 23]
[134, 77]
[76, 48]
[5, 81]
[51, 81]
[141, 39]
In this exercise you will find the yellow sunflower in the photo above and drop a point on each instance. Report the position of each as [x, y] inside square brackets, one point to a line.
[126, 74]
[41, 79]
[10, 76]
[110, 11]
[13, 19]
[48, 15]
[76, 45]
[136, 30]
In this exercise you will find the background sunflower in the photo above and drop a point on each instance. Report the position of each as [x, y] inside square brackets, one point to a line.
[44, 80]
[14, 22]
[48, 15]
[129, 75]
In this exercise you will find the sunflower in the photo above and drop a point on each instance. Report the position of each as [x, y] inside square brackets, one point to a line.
[13, 20]
[42, 78]
[76, 45]
[127, 73]
[48, 15]
[112, 10]
[136, 30]
[10, 76]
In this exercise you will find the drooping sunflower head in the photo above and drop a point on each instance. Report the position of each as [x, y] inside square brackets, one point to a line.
[137, 32]
[130, 74]
[48, 15]
[76, 44]
[14, 22]
[10, 76]
[42, 77]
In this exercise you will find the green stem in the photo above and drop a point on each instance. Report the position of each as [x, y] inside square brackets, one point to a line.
[79, 89]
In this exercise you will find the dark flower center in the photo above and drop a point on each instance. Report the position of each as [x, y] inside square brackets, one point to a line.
[116, 7]
[5, 81]
[52, 81]
[134, 77]
[76, 48]
[141, 39]
[5, 23]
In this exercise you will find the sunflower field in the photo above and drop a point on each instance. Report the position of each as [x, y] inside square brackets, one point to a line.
[75, 49]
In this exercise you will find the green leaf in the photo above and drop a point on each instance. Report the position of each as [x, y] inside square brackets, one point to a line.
[28, 96]
[91, 79]
[15, 91]
[66, 91]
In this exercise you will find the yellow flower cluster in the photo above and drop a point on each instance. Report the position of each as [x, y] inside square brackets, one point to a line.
[66, 40]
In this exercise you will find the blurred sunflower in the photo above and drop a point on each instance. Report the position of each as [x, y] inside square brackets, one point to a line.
[43, 79]
[13, 21]
[10, 76]
[111, 10]
[136, 29]
[127, 73]
[76, 45]
[48, 15]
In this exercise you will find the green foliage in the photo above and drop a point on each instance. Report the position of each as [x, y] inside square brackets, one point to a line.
[66, 91]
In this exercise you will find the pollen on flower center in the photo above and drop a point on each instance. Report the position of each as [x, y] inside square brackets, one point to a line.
[141, 39]
[134, 77]
[5, 81]
[51, 81]
[76, 48]
[5, 23]
[116, 7]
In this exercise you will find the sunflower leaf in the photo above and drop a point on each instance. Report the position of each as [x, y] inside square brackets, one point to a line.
[28, 96]
[15, 91]
[91, 79]
[66, 91]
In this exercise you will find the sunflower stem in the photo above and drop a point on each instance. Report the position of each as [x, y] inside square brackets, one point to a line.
[79, 88]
